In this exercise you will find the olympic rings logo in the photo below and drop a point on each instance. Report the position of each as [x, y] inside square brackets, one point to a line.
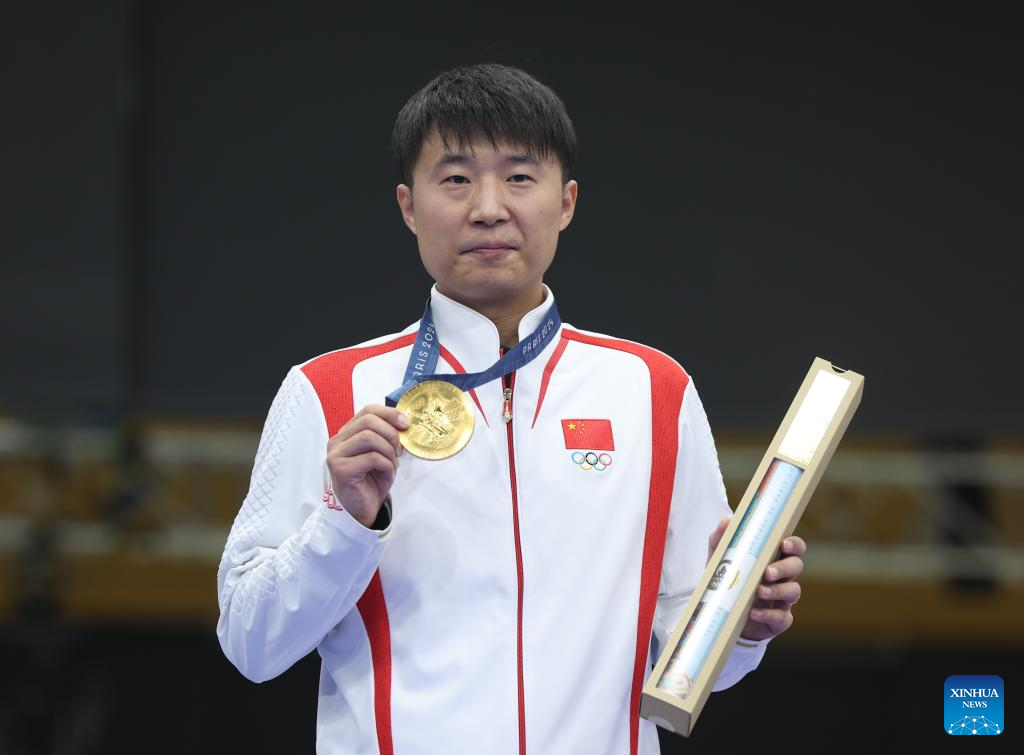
[591, 460]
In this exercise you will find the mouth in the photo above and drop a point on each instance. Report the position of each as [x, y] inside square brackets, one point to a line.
[488, 255]
[489, 249]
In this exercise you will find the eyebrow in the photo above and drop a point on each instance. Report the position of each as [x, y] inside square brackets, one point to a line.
[461, 158]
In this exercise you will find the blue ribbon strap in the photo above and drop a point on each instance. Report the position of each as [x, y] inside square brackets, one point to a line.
[425, 352]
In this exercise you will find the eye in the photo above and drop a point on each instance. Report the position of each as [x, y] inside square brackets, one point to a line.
[456, 180]
[519, 178]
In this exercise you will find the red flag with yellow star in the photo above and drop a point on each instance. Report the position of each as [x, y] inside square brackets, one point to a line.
[588, 434]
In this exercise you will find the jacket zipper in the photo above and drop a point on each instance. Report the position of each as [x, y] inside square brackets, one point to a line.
[509, 384]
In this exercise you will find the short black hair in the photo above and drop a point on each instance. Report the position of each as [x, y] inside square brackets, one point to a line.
[488, 100]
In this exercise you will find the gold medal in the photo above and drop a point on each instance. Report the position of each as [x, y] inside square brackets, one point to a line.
[441, 416]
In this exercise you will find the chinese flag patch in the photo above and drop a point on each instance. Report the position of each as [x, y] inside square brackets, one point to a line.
[588, 434]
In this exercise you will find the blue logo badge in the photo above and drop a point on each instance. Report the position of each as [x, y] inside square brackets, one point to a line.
[974, 705]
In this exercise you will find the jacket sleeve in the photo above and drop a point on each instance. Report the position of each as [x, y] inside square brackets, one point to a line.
[292, 567]
[698, 503]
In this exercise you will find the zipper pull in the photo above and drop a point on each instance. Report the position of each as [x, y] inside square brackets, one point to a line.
[507, 414]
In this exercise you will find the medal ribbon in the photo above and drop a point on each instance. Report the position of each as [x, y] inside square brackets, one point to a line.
[425, 351]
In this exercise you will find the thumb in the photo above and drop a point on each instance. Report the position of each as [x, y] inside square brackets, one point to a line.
[716, 535]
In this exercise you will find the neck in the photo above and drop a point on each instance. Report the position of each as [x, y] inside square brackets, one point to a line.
[506, 315]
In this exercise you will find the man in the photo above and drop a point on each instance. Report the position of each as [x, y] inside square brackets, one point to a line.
[509, 598]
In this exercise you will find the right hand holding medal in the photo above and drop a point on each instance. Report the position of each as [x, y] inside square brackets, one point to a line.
[363, 460]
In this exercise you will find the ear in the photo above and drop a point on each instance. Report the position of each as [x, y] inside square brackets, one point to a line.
[568, 204]
[404, 195]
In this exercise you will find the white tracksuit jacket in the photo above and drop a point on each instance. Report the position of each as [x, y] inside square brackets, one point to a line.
[517, 600]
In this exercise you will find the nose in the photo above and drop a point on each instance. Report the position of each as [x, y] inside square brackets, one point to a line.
[487, 202]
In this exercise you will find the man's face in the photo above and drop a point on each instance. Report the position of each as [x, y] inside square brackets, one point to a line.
[487, 220]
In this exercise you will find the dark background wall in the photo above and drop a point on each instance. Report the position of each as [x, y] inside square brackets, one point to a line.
[198, 195]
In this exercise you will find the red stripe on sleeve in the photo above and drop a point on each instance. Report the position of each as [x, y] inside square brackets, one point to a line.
[331, 377]
[668, 383]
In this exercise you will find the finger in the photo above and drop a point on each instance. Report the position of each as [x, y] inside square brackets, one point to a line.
[383, 479]
[357, 467]
[365, 441]
[778, 620]
[794, 546]
[367, 470]
[716, 534]
[390, 415]
[372, 423]
[368, 416]
[785, 592]
[788, 568]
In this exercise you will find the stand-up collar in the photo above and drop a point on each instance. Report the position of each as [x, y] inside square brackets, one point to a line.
[470, 336]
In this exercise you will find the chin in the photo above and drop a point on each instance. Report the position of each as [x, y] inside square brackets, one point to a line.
[488, 290]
